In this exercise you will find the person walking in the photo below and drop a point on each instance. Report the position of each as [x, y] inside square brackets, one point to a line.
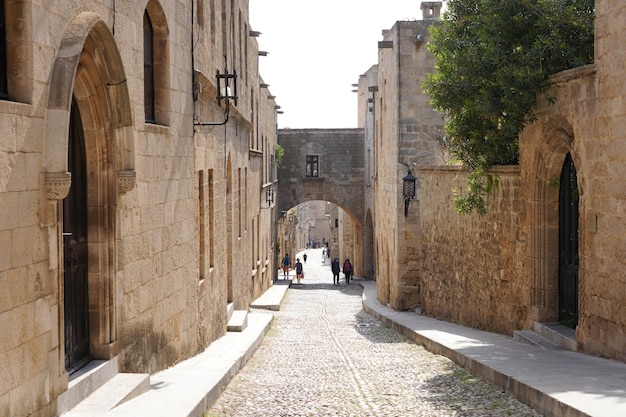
[299, 271]
[336, 270]
[347, 270]
[286, 266]
[304, 257]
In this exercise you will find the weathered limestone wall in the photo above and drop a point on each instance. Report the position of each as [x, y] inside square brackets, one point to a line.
[472, 266]
[318, 221]
[175, 227]
[587, 121]
[602, 328]
[500, 272]
[367, 89]
[406, 136]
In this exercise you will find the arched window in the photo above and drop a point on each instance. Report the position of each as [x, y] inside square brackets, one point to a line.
[4, 87]
[148, 69]
[156, 64]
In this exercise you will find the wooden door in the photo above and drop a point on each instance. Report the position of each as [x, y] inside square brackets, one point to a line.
[75, 251]
[568, 244]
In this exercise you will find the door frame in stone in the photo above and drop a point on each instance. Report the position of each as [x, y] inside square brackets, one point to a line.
[89, 67]
[543, 247]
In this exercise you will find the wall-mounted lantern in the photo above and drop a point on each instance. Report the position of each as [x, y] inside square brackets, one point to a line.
[226, 90]
[408, 190]
[227, 87]
[269, 197]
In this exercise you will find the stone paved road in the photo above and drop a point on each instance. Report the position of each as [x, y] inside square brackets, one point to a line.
[324, 356]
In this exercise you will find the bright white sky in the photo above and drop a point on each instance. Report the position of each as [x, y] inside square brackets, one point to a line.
[317, 50]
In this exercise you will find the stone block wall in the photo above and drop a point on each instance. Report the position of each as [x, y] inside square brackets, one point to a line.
[602, 328]
[406, 136]
[341, 172]
[160, 274]
[472, 266]
[586, 121]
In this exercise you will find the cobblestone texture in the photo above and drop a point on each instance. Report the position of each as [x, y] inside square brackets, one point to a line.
[324, 356]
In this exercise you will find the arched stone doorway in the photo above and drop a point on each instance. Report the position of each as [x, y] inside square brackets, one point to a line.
[88, 71]
[550, 213]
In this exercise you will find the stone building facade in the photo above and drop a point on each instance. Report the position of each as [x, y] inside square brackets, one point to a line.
[406, 136]
[550, 248]
[366, 88]
[133, 202]
[326, 165]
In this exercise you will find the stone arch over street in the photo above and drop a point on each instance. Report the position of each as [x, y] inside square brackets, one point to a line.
[326, 165]
[338, 176]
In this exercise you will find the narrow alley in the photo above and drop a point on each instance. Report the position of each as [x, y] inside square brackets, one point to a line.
[324, 356]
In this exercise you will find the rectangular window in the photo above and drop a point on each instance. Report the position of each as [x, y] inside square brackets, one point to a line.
[211, 230]
[202, 223]
[312, 166]
[253, 252]
[200, 12]
[148, 69]
[239, 202]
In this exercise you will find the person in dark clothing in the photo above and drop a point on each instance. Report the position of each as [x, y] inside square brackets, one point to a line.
[304, 257]
[299, 271]
[286, 265]
[347, 270]
[336, 270]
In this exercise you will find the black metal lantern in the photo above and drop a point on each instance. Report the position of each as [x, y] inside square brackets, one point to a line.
[226, 91]
[269, 196]
[226, 87]
[408, 190]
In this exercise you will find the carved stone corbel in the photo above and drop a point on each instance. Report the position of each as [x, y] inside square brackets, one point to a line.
[58, 185]
[126, 180]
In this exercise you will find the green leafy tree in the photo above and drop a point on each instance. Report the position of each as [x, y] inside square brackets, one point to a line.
[493, 59]
[279, 152]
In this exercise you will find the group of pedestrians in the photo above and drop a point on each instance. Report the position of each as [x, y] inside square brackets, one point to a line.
[347, 270]
[335, 267]
[286, 265]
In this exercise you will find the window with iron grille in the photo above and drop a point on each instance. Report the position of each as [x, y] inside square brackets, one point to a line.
[312, 166]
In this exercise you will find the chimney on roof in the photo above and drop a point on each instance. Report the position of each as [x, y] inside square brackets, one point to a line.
[431, 10]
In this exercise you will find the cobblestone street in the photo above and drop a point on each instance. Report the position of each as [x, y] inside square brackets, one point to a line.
[324, 356]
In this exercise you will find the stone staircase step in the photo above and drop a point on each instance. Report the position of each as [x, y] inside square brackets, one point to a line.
[238, 321]
[272, 298]
[533, 338]
[561, 335]
[121, 388]
[230, 308]
[85, 382]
